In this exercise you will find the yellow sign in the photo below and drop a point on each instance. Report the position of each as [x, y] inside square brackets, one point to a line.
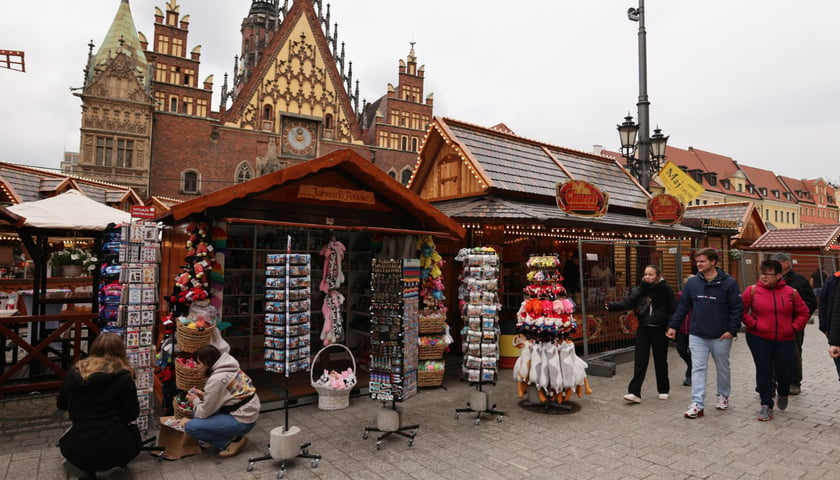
[679, 184]
[331, 194]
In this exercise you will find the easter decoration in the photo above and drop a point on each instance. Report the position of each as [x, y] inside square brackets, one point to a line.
[548, 359]
[434, 331]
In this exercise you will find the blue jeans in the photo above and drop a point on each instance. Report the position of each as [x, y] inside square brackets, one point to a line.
[217, 430]
[700, 349]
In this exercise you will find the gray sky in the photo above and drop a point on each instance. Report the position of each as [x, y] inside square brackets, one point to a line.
[757, 80]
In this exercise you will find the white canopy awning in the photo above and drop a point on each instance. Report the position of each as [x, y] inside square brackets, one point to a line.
[71, 210]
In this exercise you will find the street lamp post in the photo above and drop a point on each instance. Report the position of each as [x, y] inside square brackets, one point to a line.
[643, 156]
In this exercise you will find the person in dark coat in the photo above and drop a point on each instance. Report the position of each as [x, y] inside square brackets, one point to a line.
[653, 302]
[100, 395]
[803, 286]
[830, 317]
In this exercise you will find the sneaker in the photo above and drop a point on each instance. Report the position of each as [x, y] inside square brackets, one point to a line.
[632, 398]
[722, 402]
[782, 402]
[663, 396]
[765, 414]
[233, 448]
[795, 390]
[694, 411]
[687, 381]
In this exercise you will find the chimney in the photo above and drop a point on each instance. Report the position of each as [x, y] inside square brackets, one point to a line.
[597, 149]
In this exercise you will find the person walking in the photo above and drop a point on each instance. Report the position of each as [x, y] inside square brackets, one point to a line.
[714, 300]
[227, 408]
[773, 312]
[100, 395]
[829, 315]
[803, 286]
[653, 303]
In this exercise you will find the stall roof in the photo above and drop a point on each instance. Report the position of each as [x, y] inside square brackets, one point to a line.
[344, 164]
[511, 164]
[12, 219]
[816, 236]
[735, 217]
[488, 207]
[71, 210]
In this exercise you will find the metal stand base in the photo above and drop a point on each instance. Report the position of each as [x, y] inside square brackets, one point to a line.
[304, 453]
[407, 431]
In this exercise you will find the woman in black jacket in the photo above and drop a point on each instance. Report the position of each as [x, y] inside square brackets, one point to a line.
[653, 303]
[101, 398]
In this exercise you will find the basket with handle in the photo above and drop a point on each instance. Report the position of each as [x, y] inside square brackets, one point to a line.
[187, 377]
[179, 411]
[331, 398]
[190, 340]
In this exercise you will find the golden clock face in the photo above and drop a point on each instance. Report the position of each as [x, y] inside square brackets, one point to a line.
[299, 138]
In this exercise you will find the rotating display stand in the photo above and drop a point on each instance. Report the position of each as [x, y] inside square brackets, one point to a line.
[287, 336]
[480, 313]
[393, 343]
[548, 360]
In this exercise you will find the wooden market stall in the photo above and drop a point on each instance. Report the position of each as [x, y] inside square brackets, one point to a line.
[811, 248]
[504, 190]
[340, 196]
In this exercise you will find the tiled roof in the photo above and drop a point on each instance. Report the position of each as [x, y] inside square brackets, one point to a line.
[31, 184]
[733, 212]
[762, 178]
[800, 189]
[817, 236]
[520, 165]
[507, 210]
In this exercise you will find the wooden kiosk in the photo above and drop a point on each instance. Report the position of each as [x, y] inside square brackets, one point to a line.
[339, 196]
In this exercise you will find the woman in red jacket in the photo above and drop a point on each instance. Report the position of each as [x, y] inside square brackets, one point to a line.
[773, 311]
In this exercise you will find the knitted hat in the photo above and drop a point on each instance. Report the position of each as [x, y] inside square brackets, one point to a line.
[781, 257]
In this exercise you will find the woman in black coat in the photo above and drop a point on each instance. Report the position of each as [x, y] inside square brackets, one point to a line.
[101, 398]
[652, 302]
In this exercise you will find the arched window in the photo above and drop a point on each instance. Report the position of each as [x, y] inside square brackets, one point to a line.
[173, 104]
[243, 173]
[267, 112]
[405, 176]
[190, 181]
[405, 143]
[392, 173]
[413, 144]
[328, 121]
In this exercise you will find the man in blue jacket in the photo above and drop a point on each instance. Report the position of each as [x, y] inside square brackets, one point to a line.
[714, 300]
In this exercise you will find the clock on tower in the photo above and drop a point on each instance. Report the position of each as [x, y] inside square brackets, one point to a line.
[300, 138]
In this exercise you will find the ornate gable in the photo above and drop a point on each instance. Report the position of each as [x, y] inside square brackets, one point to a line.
[297, 76]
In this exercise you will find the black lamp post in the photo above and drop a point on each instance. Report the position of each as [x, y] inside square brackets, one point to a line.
[645, 155]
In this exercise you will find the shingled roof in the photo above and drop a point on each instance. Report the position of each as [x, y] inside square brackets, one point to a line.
[817, 236]
[520, 165]
[703, 216]
[29, 184]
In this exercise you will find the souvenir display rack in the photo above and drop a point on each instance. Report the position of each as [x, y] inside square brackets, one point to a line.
[480, 314]
[548, 359]
[434, 332]
[287, 340]
[139, 257]
[244, 285]
[394, 342]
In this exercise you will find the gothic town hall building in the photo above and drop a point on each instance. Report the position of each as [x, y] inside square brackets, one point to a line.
[148, 123]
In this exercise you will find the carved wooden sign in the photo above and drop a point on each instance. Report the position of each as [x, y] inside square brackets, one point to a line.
[331, 194]
[581, 198]
[666, 209]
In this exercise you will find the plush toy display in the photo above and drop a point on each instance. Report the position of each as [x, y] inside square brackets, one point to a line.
[545, 321]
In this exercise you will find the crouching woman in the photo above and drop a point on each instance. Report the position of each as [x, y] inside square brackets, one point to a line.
[227, 408]
[100, 395]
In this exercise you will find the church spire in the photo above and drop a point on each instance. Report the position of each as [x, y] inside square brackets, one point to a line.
[122, 37]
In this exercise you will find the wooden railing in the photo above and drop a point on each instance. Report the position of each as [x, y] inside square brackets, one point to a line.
[72, 331]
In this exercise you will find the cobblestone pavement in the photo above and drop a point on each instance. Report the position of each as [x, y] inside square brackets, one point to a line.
[606, 439]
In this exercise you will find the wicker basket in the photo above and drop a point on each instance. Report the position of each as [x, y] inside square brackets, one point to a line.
[430, 378]
[180, 412]
[187, 378]
[190, 340]
[432, 323]
[432, 352]
[331, 398]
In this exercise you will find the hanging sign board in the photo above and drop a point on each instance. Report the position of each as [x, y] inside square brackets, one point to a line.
[581, 198]
[139, 211]
[666, 209]
[679, 183]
